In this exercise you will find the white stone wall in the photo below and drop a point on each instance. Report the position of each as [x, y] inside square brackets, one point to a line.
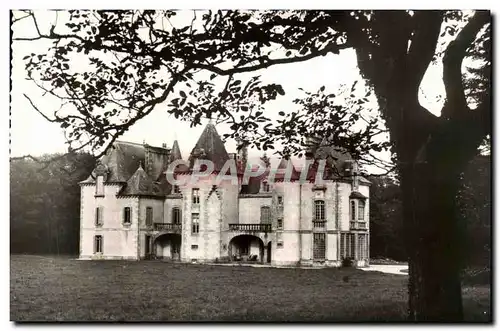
[249, 209]
[119, 241]
[222, 208]
[214, 210]
[158, 216]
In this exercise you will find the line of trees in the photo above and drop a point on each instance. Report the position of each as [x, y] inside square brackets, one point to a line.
[45, 203]
[474, 201]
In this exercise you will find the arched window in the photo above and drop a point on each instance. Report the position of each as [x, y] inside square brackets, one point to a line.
[265, 214]
[353, 210]
[176, 215]
[319, 210]
[361, 210]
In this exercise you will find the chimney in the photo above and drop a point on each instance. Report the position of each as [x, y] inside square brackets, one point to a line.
[309, 148]
[242, 152]
[164, 145]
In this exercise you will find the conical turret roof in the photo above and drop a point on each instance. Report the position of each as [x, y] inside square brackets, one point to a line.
[175, 153]
[209, 147]
[140, 184]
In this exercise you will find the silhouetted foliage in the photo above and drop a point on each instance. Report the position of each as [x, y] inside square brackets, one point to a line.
[45, 204]
[136, 60]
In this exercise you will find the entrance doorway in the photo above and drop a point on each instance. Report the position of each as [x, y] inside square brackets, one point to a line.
[168, 246]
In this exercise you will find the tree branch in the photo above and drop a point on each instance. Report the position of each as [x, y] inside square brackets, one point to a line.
[456, 103]
[423, 44]
[269, 62]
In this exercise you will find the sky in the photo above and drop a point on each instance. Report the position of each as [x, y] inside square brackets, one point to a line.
[31, 134]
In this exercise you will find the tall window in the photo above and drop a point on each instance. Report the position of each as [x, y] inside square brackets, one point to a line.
[319, 246]
[353, 210]
[265, 214]
[195, 228]
[176, 215]
[362, 247]
[127, 215]
[196, 196]
[99, 188]
[347, 245]
[361, 210]
[98, 244]
[98, 216]
[149, 216]
[319, 210]
[265, 187]
[280, 200]
[176, 189]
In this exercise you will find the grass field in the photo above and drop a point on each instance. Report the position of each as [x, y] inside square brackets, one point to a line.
[61, 289]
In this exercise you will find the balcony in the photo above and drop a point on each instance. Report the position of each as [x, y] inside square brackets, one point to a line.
[319, 224]
[250, 227]
[361, 225]
[168, 227]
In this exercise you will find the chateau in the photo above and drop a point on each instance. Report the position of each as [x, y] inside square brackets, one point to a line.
[284, 216]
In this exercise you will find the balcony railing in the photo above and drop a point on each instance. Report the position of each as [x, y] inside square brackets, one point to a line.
[357, 225]
[250, 227]
[319, 224]
[168, 227]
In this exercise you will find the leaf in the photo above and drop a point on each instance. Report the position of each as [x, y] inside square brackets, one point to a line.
[183, 94]
[281, 113]
[322, 88]
[212, 76]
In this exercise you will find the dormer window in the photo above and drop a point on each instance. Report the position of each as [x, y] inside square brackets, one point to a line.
[176, 189]
[99, 188]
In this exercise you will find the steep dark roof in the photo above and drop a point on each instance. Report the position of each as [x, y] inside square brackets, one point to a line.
[122, 160]
[333, 155]
[175, 153]
[140, 184]
[209, 147]
[357, 195]
[280, 171]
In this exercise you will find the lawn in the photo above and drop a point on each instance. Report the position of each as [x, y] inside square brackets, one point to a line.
[62, 289]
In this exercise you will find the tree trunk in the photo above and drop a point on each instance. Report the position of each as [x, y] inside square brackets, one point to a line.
[434, 238]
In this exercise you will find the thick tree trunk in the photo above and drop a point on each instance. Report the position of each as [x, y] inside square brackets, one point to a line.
[434, 238]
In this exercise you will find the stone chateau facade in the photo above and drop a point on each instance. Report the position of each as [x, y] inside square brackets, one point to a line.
[129, 210]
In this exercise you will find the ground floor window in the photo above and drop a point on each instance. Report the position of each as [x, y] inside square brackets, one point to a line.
[148, 245]
[350, 248]
[98, 244]
[347, 245]
[319, 246]
[362, 246]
